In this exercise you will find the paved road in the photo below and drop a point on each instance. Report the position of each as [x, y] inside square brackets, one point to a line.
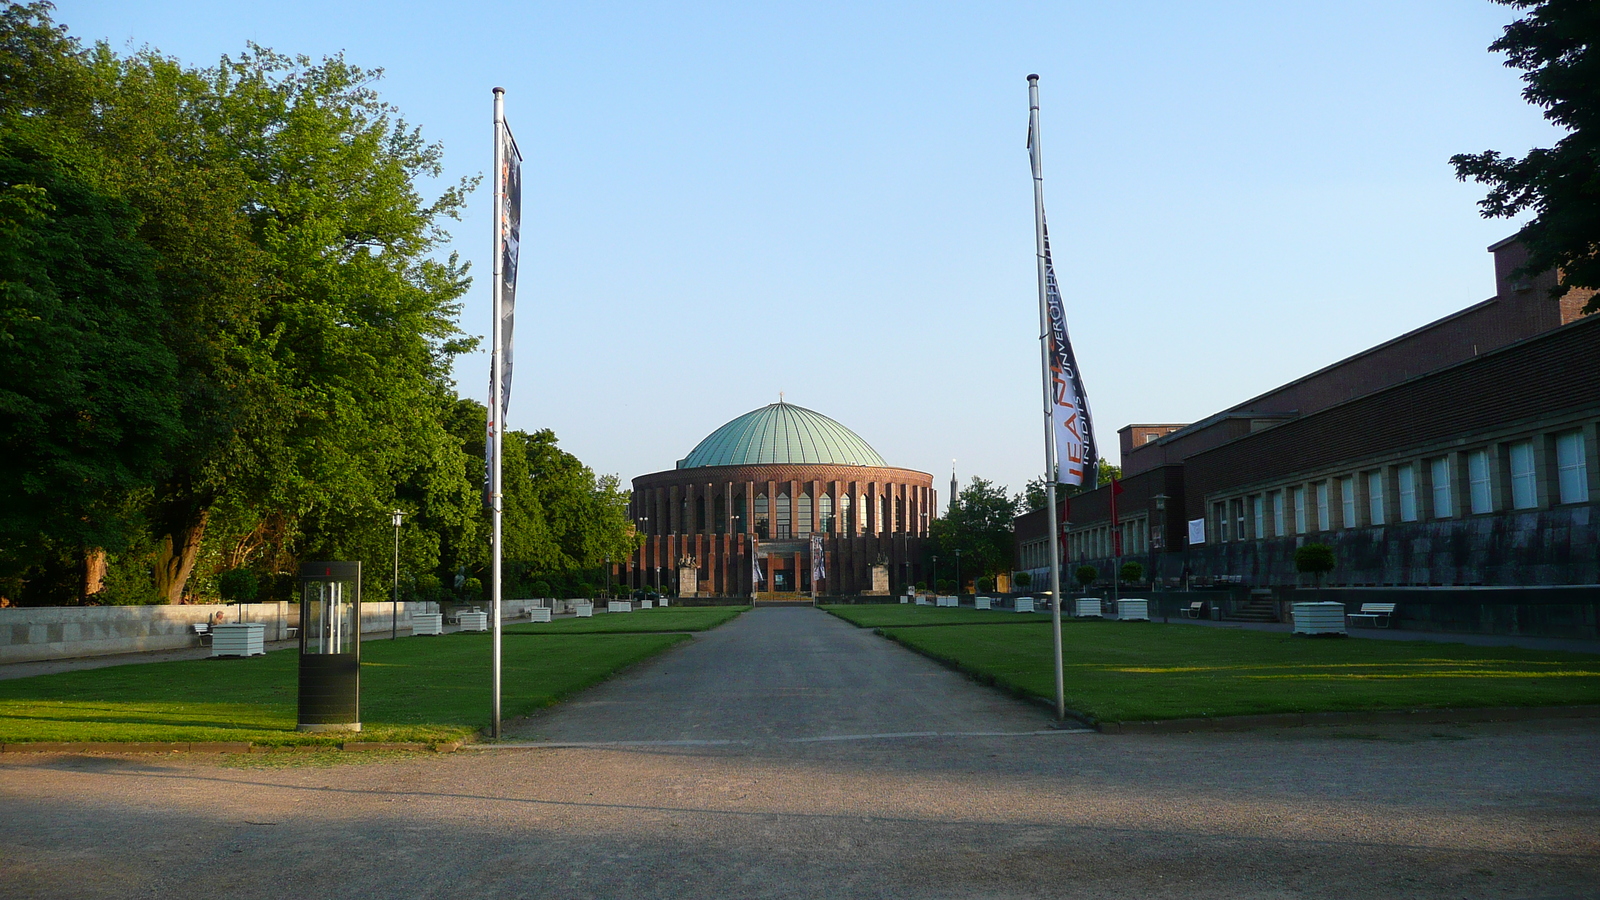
[1494, 810]
[783, 674]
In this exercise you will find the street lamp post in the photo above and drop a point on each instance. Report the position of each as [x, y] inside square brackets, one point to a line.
[958, 571]
[934, 581]
[394, 606]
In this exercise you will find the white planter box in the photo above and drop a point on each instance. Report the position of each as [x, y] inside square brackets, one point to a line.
[664, 603]
[239, 639]
[585, 610]
[1024, 604]
[1132, 610]
[538, 614]
[474, 621]
[619, 606]
[1319, 618]
[949, 601]
[647, 604]
[982, 602]
[427, 623]
[1088, 608]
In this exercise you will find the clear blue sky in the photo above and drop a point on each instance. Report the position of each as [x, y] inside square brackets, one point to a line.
[725, 201]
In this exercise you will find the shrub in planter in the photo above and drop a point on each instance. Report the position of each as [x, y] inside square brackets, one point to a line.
[1085, 575]
[1315, 560]
[1132, 571]
[238, 586]
[1022, 579]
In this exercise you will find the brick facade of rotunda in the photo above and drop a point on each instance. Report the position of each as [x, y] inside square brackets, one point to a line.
[720, 517]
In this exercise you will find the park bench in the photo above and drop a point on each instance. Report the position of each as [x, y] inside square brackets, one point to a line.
[1195, 610]
[1379, 614]
[203, 631]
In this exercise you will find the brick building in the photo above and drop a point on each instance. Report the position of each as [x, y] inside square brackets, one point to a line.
[1461, 453]
[751, 496]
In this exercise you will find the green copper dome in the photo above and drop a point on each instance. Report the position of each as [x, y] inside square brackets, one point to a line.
[782, 433]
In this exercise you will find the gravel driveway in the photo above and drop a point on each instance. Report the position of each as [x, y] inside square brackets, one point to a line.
[719, 788]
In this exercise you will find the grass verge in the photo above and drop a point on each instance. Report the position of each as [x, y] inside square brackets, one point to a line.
[642, 621]
[427, 690]
[1130, 672]
[905, 615]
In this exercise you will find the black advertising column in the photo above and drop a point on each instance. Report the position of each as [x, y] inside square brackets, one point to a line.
[330, 646]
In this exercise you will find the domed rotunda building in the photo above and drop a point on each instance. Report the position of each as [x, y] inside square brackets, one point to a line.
[741, 514]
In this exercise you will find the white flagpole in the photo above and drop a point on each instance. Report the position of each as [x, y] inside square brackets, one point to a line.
[496, 406]
[1035, 156]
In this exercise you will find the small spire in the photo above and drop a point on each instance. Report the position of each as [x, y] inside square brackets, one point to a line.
[780, 397]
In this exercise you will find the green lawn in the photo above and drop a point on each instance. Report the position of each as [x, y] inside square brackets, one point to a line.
[431, 689]
[892, 615]
[1128, 671]
[641, 621]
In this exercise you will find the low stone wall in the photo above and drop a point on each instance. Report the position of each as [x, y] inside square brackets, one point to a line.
[61, 632]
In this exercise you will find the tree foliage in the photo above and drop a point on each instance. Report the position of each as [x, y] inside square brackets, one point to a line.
[979, 524]
[1316, 560]
[1554, 45]
[229, 316]
[1034, 493]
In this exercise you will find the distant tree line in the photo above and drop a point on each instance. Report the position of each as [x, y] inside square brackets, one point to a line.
[227, 326]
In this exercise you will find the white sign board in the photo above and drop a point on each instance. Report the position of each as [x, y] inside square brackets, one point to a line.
[1197, 531]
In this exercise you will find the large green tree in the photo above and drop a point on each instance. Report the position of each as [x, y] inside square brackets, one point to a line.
[295, 268]
[978, 524]
[88, 399]
[1555, 46]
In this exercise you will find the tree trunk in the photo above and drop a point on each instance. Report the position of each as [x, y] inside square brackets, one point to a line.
[179, 550]
[94, 571]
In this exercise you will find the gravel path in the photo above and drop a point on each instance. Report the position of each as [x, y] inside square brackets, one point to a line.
[751, 809]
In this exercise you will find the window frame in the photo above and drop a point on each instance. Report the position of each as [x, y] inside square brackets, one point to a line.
[1524, 478]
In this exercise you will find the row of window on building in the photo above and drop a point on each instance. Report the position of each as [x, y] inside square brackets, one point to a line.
[1526, 474]
[788, 517]
[1098, 542]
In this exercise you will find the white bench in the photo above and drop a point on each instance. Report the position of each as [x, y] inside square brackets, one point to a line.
[1024, 604]
[1087, 608]
[538, 613]
[202, 630]
[1373, 613]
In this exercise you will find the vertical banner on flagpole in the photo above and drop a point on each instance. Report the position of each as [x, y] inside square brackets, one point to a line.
[507, 232]
[755, 568]
[819, 565]
[1077, 457]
